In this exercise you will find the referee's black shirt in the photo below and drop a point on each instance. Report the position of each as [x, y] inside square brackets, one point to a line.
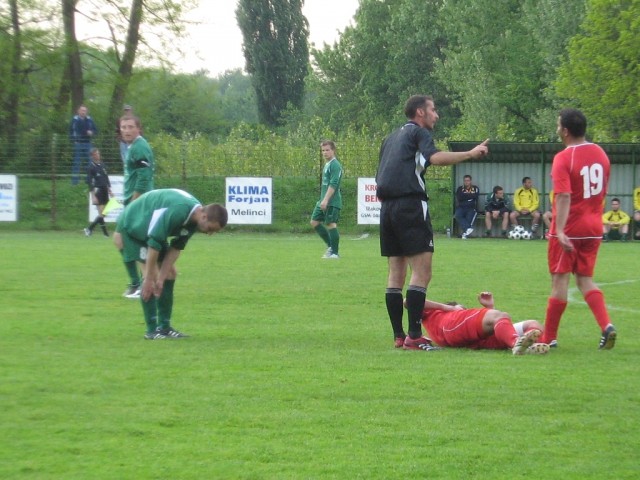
[404, 156]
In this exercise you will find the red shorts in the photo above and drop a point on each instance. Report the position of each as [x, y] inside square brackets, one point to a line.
[459, 328]
[581, 261]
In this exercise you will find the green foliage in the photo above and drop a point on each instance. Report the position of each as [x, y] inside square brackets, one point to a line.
[365, 78]
[290, 371]
[276, 50]
[501, 57]
[178, 103]
[603, 73]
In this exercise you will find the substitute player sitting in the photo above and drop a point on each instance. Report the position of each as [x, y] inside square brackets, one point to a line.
[615, 220]
[145, 227]
[452, 325]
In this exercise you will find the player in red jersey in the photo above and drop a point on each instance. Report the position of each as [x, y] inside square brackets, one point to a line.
[452, 325]
[580, 175]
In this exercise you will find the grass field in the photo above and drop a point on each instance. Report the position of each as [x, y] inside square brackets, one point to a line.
[290, 372]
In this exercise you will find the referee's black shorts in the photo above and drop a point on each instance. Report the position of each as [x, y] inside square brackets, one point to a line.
[405, 227]
[102, 195]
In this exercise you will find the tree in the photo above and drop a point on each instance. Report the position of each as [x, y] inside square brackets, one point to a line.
[500, 59]
[276, 50]
[367, 75]
[11, 99]
[72, 82]
[602, 73]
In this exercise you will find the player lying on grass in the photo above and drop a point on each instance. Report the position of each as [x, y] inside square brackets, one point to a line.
[452, 325]
[155, 229]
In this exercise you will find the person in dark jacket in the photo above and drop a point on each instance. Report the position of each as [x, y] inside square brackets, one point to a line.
[100, 190]
[466, 205]
[81, 130]
[497, 206]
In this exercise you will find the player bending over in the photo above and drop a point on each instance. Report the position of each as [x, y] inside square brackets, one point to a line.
[155, 229]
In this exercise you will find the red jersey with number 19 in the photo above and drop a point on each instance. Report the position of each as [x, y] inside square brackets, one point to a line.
[583, 171]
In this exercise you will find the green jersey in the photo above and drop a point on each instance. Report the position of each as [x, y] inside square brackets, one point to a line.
[159, 215]
[138, 169]
[331, 176]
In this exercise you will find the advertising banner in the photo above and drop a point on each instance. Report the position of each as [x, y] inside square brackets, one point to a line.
[368, 203]
[249, 200]
[8, 198]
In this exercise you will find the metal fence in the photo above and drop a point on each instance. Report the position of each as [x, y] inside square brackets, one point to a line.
[192, 155]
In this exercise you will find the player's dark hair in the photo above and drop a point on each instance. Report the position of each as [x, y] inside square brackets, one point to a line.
[524, 179]
[217, 213]
[574, 121]
[414, 103]
[615, 200]
[468, 176]
[497, 188]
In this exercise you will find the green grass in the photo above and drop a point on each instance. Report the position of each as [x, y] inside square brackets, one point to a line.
[290, 372]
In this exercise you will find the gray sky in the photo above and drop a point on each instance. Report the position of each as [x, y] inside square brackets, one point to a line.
[216, 44]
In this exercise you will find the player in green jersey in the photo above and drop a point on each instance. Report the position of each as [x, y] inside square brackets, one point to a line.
[138, 179]
[326, 213]
[146, 227]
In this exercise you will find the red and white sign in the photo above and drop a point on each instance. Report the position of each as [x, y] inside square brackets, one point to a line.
[368, 202]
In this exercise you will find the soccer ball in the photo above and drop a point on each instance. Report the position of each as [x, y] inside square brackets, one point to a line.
[517, 233]
[526, 235]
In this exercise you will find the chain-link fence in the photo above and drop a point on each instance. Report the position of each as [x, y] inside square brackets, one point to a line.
[48, 198]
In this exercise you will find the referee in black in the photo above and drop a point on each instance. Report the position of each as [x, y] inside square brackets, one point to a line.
[406, 235]
[100, 190]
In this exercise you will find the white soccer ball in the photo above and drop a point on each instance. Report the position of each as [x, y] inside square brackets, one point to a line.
[519, 228]
[526, 235]
[515, 234]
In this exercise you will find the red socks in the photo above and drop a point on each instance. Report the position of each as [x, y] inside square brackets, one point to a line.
[595, 300]
[555, 309]
[504, 331]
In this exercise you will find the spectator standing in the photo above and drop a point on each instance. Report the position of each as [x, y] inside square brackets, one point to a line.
[526, 202]
[81, 130]
[580, 175]
[100, 190]
[496, 206]
[466, 206]
[327, 209]
[406, 235]
[615, 220]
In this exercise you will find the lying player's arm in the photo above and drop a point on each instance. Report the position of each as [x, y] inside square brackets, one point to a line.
[486, 299]
[430, 305]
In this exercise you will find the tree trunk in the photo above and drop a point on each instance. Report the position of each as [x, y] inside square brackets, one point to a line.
[73, 74]
[10, 129]
[125, 69]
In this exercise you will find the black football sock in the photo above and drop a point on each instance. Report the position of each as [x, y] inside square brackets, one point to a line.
[394, 300]
[415, 305]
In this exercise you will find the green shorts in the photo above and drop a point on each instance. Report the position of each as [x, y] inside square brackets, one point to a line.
[134, 250]
[332, 215]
